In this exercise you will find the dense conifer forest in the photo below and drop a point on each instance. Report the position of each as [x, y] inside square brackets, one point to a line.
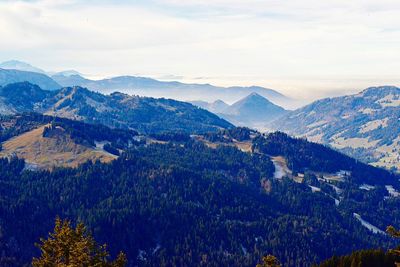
[183, 203]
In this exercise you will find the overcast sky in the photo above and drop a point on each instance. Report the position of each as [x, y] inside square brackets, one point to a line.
[304, 48]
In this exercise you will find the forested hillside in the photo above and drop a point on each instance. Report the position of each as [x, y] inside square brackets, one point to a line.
[303, 156]
[365, 126]
[187, 202]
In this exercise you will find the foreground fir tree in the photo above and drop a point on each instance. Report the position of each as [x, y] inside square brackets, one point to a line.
[368, 258]
[395, 233]
[269, 261]
[363, 258]
[69, 247]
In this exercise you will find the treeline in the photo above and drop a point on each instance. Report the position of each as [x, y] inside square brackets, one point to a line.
[174, 136]
[88, 134]
[82, 133]
[14, 125]
[228, 135]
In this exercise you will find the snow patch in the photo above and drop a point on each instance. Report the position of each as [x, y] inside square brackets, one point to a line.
[142, 255]
[337, 201]
[156, 249]
[315, 189]
[279, 172]
[337, 189]
[367, 225]
[366, 187]
[373, 125]
[244, 250]
[281, 168]
[389, 101]
[392, 192]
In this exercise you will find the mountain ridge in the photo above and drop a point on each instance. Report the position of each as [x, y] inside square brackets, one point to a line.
[363, 125]
[117, 110]
[173, 89]
[8, 76]
[151, 87]
[20, 65]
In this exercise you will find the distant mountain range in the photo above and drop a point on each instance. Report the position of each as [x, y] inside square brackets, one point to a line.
[253, 111]
[19, 65]
[134, 85]
[176, 90]
[147, 115]
[365, 126]
[8, 76]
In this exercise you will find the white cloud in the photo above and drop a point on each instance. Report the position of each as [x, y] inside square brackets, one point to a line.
[293, 45]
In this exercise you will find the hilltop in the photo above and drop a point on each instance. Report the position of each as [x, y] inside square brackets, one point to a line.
[48, 142]
[253, 111]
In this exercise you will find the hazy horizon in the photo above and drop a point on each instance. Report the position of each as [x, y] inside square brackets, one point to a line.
[305, 50]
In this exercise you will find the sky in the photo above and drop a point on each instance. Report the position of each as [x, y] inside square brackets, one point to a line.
[303, 48]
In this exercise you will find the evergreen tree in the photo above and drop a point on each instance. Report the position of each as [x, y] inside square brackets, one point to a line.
[392, 231]
[269, 261]
[395, 233]
[68, 247]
